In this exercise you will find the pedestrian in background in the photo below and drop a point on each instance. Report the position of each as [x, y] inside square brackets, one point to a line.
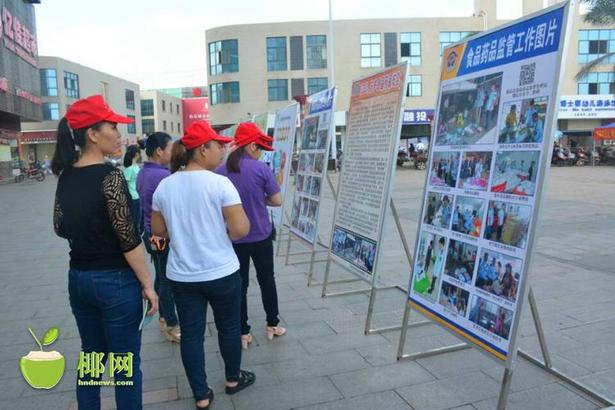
[108, 276]
[190, 207]
[132, 158]
[158, 150]
[258, 189]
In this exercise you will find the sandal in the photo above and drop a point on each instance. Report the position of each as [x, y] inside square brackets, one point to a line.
[246, 378]
[245, 341]
[173, 334]
[210, 397]
[275, 331]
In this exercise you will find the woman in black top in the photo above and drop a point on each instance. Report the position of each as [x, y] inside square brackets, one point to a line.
[108, 276]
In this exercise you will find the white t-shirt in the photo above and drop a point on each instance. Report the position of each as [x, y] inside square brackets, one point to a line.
[191, 204]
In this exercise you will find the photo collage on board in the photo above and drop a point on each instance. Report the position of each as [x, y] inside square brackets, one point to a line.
[310, 171]
[479, 203]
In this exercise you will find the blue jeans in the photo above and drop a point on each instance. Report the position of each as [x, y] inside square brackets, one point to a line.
[166, 302]
[224, 297]
[107, 306]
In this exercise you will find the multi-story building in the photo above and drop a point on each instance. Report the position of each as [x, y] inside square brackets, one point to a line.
[19, 80]
[260, 67]
[63, 82]
[161, 112]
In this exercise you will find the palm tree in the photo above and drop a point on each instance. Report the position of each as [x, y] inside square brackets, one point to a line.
[601, 12]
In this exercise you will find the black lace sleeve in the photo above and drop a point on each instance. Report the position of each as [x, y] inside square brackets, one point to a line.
[115, 192]
[58, 220]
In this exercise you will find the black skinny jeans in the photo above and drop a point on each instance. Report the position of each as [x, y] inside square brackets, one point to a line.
[262, 255]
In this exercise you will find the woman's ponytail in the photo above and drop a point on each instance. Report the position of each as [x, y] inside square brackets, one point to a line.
[65, 153]
[179, 157]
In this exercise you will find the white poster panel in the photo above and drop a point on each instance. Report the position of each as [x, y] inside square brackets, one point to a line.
[318, 125]
[374, 123]
[283, 143]
[498, 98]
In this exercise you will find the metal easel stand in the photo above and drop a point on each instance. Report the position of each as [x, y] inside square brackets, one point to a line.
[372, 298]
[547, 365]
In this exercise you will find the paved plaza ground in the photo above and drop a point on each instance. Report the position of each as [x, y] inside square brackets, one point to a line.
[325, 361]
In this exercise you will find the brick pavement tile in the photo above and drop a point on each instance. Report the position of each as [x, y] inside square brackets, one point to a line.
[377, 379]
[306, 366]
[385, 400]
[456, 363]
[549, 397]
[276, 351]
[339, 342]
[450, 392]
[290, 395]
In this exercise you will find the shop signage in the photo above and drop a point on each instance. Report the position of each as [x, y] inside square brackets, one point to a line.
[27, 96]
[418, 117]
[586, 106]
[18, 38]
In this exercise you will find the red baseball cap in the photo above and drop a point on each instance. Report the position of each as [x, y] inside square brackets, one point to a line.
[91, 110]
[248, 132]
[200, 133]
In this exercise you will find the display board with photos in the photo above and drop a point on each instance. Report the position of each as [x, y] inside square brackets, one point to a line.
[486, 166]
[314, 142]
[283, 143]
[370, 149]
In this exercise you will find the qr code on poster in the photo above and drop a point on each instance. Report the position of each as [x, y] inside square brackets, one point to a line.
[527, 74]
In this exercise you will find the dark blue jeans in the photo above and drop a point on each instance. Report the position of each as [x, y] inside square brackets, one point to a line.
[107, 306]
[224, 297]
[166, 302]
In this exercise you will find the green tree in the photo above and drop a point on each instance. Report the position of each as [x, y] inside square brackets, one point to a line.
[600, 12]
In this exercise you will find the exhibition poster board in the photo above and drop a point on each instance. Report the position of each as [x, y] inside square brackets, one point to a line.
[318, 125]
[374, 124]
[498, 99]
[283, 143]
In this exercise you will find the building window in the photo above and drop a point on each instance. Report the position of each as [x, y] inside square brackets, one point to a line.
[71, 84]
[223, 93]
[130, 99]
[51, 111]
[179, 128]
[316, 84]
[177, 108]
[370, 50]
[132, 127]
[164, 105]
[49, 82]
[164, 125]
[316, 51]
[171, 126]
[450, 37]
[147, 107]
[410, 44]
[415, 88]
[223, 57]
[276, 54]
[148, 126]
[594, 44]
[597, 83]
[277, 90]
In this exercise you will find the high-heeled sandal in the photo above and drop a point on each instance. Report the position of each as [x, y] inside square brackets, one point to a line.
[275, 331]
[245, 341]
[210, 397]
[173, 334]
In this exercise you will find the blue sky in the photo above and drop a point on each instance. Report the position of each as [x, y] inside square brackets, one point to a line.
[161, 43]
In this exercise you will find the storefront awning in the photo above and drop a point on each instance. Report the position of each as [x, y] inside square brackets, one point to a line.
[606, 132]
[38, 137]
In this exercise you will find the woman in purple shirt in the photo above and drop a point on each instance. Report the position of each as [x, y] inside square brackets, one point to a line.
[258, 189]
[158, 149]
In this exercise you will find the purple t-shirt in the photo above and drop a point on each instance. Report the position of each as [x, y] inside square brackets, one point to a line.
[147, 181]
[254, 183]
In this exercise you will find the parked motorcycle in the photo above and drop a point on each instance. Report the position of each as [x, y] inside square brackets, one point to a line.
[580, 156]
[33, 172]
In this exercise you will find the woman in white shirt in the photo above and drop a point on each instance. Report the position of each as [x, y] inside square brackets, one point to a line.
[191, 207]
